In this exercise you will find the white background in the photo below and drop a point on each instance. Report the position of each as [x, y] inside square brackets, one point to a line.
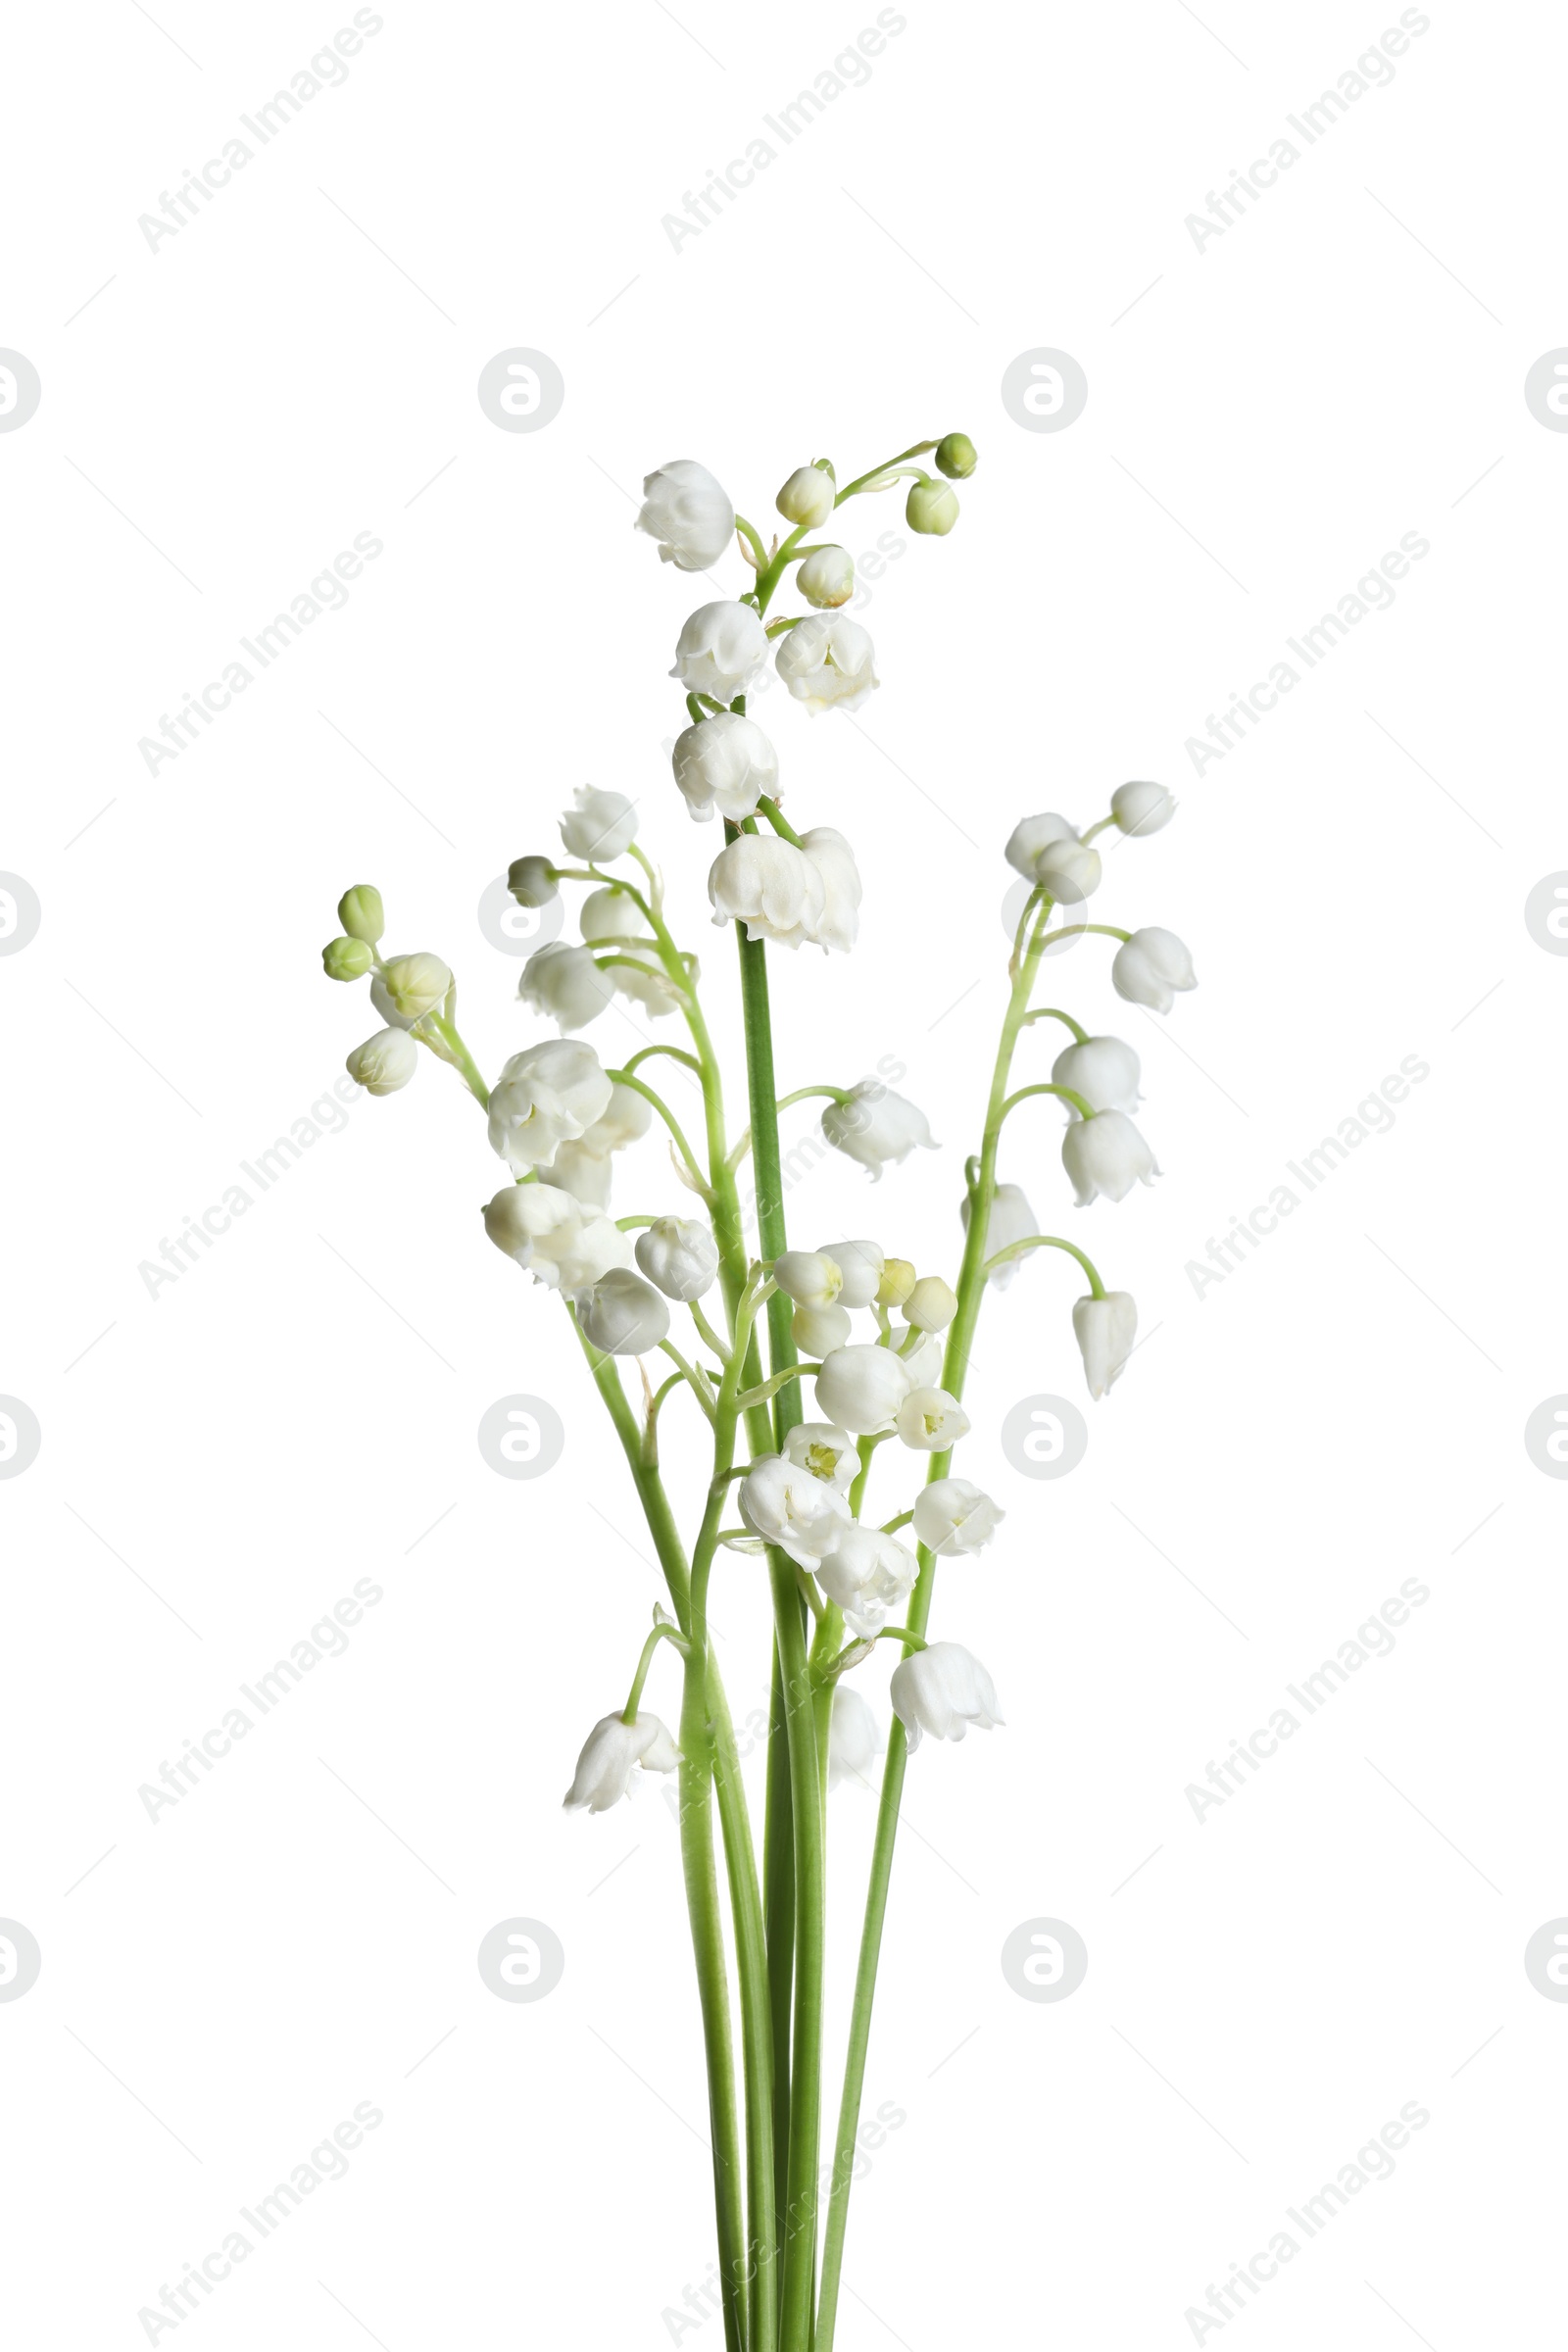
[220, 1462]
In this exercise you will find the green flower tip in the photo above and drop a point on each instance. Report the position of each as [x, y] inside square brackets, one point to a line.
[347, 959]
[359, 910]
[932, 508]
[956, 457]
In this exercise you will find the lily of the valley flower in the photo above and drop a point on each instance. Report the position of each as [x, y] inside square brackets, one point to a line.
[862, 1389]
[854, 1739]
[621, 1313]
[1150, 967]
[612, 1753]
[724, 763]
[828, 1453]
[931, 1421]
[807, 1276]
[943, 1691]
[770, 886]
[931, 1305]
[385, 1062]
[1103, 1069]
[859, 1265]
[1104, 1329]
[1105, 1155]
[819, 1329]
[931, 508]
[547, 1095]
[1142, 808]
[877, 1128]
[827, 663]
[826, 578]
[581, 1165]
[410, 987]
[720, 649]
[1033, 835]
[688, 512]
[600, 826]
[680, 1256]
[1068, 870]
[565, 983]
[840, 919]
[867, 1573]
[1011, 1220]
[952, 1517]
[807, 497]
[788, 1506]
[551, 1237]
[532, 881]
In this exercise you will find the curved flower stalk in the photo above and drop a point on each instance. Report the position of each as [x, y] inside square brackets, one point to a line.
[859, 1384]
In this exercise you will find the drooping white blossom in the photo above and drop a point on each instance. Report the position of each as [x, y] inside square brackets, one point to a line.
[788, 1506]
[1142, 808]
[862, 1389]
[612, 914]
[1103, 1069]
[720, 649]
[600, 826]
[680, 1256]
[827, 1453]
[867, 1573]
[819, 1329]
[725, 763]
[827, 662]
[931, 1305]
[951, 1517]
[1068, 870]
[876, 1127]
[547, 1095]
[566, 984]
[611, 1755]
[809, 1277]
[622, 1314]
[931, 1421]
[854, 1739]
[768, 885]
[1105, 1155]
[1105, 1330]
[552, 1236]
[1033, 835]
[1151, 967]
[688, 512]
[943, 1691]
[859, 1265]
[840, 919]
[385, 1062]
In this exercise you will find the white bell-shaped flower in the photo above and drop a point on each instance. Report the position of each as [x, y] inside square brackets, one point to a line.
[689, 513]
[1105, 1330]
[1105, 1155]
[787, 1505]
[855, 1739]
[770, 886]
[943, 1691]
[1151, 967]
[547, 1095]
[876, 1127]
[807, 497]
[1142, 808]
[622, 1314]
[611, 1755]
[951, 1517]
[1103, 1069]
[1033, 835]
[410, 987]
[826, 578]
[566, 984]
[1011, 1220]
[828, 1453]
[827, 662]
[720, 649]
[611, 914]
[552, 1236]
[839, 922]
[867, 1573]
[862, 1389]
[931, 1421]
[859, 1265]
[602, 825]
[725, 764]
[680, 1256]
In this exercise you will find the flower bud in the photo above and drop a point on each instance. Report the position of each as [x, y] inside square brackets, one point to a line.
[827, 576]
[942, 1691]
[347, 959]
[956, 456]
[807, 497]
[1150, 966]
[1142, 808]
[1105, 1155]
[1103, 1069]
[1069, 871]
[1104, 1329]
[818, 1330]
[384, 1062]
[854, 1739]
[680, 1256]
[931, 1304]
[932, 508]
[613, 1750]
[1032, 835]
[359, 910]
[897, 1283]
[600, 826]
[531, 881]
[622, 1314]
[808, 1278]
[566, 983]
[860, 1388]
[859, 1265]
[416, 985]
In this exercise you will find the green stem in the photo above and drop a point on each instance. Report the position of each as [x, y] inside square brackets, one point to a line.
[1047, 1241]
[1044, 1012]
[661, 1633]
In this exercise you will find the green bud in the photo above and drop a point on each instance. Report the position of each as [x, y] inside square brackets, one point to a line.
[359, 910]
[348, 958]
[956, 457]
[898, 1281]
[531, 881]
[932, 508]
